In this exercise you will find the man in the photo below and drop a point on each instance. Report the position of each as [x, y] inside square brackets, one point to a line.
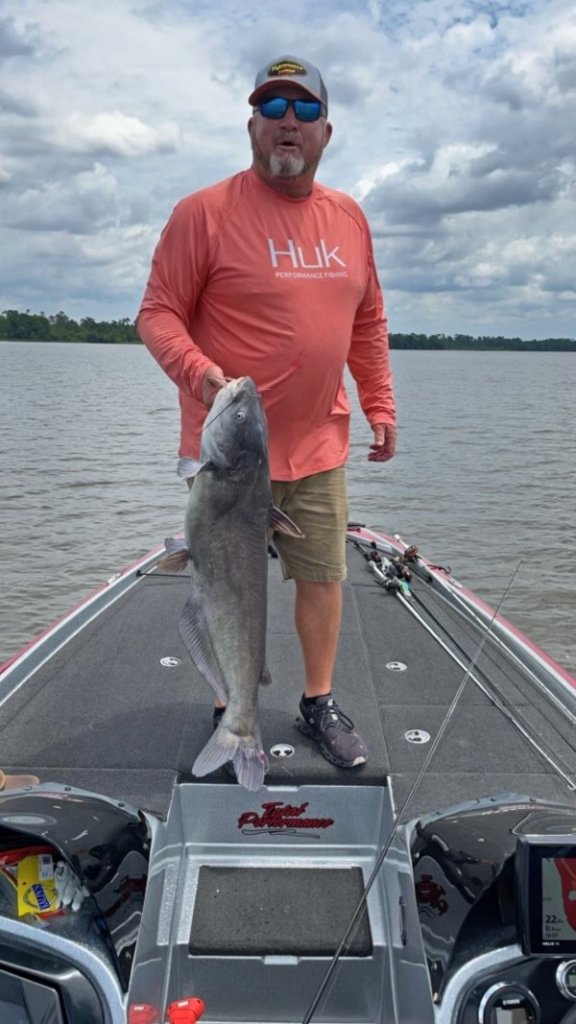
[270, 275]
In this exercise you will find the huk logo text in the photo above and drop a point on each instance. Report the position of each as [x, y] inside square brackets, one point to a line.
[318, 257]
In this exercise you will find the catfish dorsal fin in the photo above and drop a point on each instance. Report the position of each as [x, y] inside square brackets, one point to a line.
[278, 520]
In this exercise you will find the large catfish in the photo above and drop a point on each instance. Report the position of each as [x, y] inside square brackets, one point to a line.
[223, 623]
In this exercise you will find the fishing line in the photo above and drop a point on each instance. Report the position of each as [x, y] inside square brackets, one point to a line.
[465, 610]
[382, 855]
[498, 699]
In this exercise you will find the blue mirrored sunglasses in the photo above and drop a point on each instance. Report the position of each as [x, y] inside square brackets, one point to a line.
[275, 107]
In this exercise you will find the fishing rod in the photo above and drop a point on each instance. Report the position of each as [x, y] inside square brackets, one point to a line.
[466, 609]
[359, 910]
[499, 700]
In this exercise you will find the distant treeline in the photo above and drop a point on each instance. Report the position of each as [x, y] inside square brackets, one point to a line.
[15, 326]
[482, 343]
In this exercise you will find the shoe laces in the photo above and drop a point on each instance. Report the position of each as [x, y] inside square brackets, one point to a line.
[330, 716]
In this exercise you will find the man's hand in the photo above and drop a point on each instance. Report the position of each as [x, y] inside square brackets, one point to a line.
[384, 443]
[212, 381]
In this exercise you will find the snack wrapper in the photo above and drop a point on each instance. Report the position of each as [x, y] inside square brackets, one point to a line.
[31, 871]
[36, 885]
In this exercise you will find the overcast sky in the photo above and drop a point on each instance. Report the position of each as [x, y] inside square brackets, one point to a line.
[454, 125]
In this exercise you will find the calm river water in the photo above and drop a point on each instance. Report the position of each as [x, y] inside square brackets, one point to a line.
[483, 479]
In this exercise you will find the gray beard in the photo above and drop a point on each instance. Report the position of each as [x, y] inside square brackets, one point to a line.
[287, 166]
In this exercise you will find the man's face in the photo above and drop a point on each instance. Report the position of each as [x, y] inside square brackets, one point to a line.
[287, 148]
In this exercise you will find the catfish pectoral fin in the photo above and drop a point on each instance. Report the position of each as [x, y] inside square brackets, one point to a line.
[187, 468]
[177, 555]
[175, 562]
[278, 520]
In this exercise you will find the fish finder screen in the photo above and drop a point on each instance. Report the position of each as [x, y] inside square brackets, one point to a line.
[558, 900]
[545, 888]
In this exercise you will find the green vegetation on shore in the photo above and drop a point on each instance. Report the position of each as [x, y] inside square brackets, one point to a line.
[15, 326]
[480, 344]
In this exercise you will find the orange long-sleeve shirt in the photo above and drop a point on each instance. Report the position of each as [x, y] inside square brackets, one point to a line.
[281, 290]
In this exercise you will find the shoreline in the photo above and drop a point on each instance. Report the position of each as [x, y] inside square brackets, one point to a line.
[398, 343]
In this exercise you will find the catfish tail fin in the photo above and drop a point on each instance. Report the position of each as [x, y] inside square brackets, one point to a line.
[247, 756]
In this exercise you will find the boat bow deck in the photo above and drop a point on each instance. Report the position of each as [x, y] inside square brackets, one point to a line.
[119, 709]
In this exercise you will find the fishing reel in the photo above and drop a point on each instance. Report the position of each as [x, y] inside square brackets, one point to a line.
[393, 573]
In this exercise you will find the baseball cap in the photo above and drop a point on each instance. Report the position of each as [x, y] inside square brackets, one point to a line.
[290, 69]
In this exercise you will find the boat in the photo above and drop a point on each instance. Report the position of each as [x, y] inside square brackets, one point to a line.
[434, 885]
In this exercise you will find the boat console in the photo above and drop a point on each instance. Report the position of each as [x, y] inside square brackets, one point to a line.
[495, 889]
[66, 956]
[242, 900]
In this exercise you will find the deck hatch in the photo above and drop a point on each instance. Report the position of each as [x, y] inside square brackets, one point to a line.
[277, 912]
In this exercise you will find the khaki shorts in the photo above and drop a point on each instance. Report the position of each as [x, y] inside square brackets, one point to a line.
[318, 504]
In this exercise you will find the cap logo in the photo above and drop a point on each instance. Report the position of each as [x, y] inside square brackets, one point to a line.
[286, 67]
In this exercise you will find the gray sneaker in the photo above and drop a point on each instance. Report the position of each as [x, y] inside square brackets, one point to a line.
[333, 731]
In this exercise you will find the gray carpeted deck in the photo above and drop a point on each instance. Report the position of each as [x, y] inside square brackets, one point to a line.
[250, 912]
[105, 714]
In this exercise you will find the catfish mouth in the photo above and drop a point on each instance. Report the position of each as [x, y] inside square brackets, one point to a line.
[234, 386]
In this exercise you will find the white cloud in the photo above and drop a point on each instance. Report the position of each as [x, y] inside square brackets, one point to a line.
[457, 39]
[117, 134]
[540, 73]
[452, 123]
[87, 202]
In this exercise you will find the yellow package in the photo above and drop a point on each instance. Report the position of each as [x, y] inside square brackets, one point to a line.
[36, 886]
